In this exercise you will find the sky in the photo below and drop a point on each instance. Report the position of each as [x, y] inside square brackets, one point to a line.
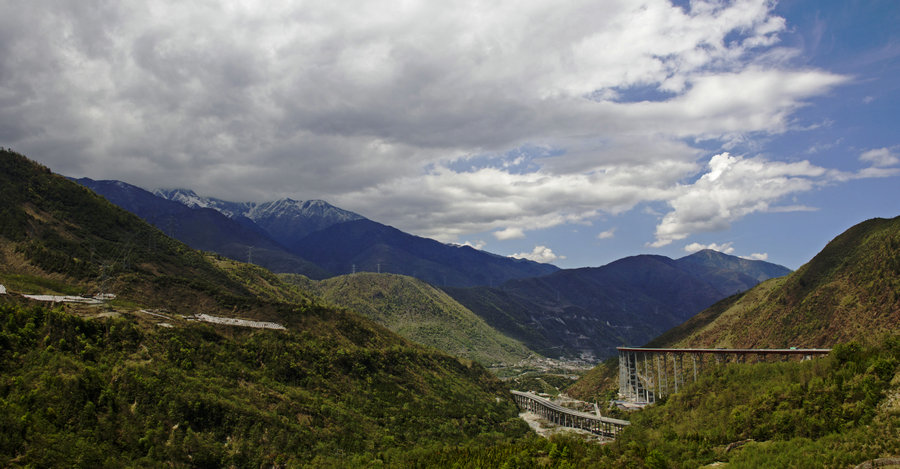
[574, 132]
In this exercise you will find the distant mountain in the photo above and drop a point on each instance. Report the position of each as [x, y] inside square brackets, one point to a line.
[590, 311]
[419, 312]
[286, 221]
[365, 245]
[342, 242]
[729, 274]
[849, 291]
[139, 381]
[57, 236]
[204, 228]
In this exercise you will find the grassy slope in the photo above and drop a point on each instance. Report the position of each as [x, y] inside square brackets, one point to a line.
[831, 412]
[848, 291]
[421, 313]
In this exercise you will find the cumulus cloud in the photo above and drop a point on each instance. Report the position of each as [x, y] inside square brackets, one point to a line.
[608, 234]
[539, 254]
[725, 248]
[509, 233]
[732, 188]
[756, 256]
[478, 244]
[881, 157]
[373, 105]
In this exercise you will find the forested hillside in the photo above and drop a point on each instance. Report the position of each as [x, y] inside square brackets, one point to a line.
[590, 311]
[137, 381]
[114, 392]
[832, 412]
[850, 290]
[419, 312]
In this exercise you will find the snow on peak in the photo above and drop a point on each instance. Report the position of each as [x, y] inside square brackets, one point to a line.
[185, 196]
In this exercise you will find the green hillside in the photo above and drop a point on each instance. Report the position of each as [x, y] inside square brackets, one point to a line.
[419, 312]
[849, 291]
[833, 412]
[58, 237]
[137, 382]
[111, 393]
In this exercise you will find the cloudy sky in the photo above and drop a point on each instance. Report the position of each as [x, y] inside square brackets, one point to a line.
[574, 132]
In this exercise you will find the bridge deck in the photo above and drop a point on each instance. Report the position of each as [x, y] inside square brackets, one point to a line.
[567, 417]
[758, 351]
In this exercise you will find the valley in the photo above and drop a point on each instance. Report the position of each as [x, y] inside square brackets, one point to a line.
[195, 358]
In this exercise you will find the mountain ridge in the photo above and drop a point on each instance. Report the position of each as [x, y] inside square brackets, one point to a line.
[849, 290]
[204, 228]
[420, 312]
[342, 242]
[286, 220]
[591, 310]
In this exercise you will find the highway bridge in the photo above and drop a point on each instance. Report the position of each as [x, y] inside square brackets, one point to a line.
[648, 373]
[562, 416]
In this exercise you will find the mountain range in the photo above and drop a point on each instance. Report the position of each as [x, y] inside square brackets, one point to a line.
[589, 311]
[139, 381]
[287, 221]
[205, 228]
[312, 238]
[569, 313]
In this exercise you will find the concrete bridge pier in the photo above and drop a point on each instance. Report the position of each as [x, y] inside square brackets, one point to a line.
[642, 382]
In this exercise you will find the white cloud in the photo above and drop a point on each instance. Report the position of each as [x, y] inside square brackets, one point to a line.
[756, 256]
[608, 234]
[509, 233]
[369, 104]
[478, 244]
[724, 248]
[881, 157]
[732, 188]
[539, 254]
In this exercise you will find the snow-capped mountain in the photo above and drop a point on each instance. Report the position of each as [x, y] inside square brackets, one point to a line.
[193, 221]
[286, 220]
[191, 199]
[340, 241]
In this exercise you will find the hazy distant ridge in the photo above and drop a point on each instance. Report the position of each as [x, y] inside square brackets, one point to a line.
[627, 302]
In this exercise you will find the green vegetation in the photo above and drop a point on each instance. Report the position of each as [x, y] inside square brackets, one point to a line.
[339, 390]
[335, 389]
[92, 393]
[599, 384]
[77, 242]
[820, 413]
[419, 312]
[836, 411]
[850, 290]
[545, 382]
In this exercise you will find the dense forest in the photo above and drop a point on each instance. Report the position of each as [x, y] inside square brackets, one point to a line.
[110, 393]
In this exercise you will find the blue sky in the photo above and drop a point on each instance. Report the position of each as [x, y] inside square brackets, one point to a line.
[572, 132]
